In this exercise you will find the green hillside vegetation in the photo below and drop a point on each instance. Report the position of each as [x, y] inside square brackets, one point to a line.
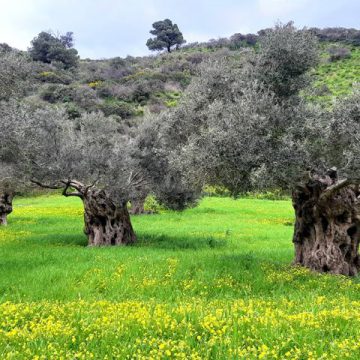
[336, 78]
[132, 86]
[124, 87]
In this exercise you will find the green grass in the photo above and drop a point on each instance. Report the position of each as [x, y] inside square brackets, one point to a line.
[337, 78]
[212, 282]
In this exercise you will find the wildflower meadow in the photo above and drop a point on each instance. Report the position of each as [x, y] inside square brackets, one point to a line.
[206, 283]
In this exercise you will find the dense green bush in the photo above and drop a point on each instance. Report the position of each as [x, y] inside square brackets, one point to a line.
[151, 205]
[81, 95]
[53, 93]
[47, 48]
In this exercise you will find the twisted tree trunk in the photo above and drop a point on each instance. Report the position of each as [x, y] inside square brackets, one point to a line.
[6, 208]
[106, 223]
[327, 227]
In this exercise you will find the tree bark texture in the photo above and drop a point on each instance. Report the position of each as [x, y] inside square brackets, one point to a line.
[106, 223]
[6, 208]
[327, 225]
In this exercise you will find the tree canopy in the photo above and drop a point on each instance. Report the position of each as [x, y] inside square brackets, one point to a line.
[246, 127]
[166, 34]
[15, 71]
[49, 48]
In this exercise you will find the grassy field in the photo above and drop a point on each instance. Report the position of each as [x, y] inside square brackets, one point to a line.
[213, 282]
[336, 79]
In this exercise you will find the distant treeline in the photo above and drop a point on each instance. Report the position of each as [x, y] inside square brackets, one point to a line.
[238, 40]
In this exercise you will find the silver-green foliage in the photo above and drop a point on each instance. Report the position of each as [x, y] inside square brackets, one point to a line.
[44, 146]
[243, 125]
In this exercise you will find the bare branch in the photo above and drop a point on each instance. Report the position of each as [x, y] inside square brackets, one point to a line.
[45, 186]
[336, 187]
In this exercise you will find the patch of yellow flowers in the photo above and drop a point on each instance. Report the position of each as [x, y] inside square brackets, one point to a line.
[195, 329]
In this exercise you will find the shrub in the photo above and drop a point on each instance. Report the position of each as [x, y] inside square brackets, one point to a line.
[156, 108]
[269, 195]
[54, 77]
[151, 205]
[72, 110]
[95, 84]
[119, 108]
[85, 97]
[54, 93]
[171, 103]
[81, 95]
[47, 48]
[218, 191]
[338, 53]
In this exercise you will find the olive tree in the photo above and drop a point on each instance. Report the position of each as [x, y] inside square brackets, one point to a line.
[7, 181]
[7, 192]
[15, 73]
[15, 70]
[90, 158]
[254, 132]
[284, 58]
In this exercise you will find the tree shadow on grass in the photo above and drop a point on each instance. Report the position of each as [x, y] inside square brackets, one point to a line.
[58, 239]
[162, 241]
[245, 261]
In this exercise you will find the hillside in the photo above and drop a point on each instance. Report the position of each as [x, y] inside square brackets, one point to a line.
[336, 78]
[132, 86]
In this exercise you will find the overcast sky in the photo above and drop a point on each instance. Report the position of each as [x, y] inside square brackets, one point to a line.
[108, 28]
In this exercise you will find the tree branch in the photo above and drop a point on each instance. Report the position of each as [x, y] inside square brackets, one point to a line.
[54, 187]
[69, 184]
[77, 185]
[336, 187]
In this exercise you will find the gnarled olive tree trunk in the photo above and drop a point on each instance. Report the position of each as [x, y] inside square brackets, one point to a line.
[6, 208]
[106, 223]
[327, 227]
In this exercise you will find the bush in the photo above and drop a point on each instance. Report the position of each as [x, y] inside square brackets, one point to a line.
[156, 108]
[269, 195]
[48, 48]
[73, 111]
[218, 191]
[119, 108]
[85, 97]
[336, 34]
[56, 93]
[54, 77]
[338, 53]
[81, 95]
[151, 205]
